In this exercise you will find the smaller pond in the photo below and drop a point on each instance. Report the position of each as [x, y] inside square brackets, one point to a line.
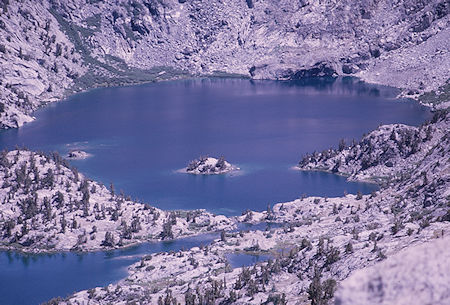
[238, 260]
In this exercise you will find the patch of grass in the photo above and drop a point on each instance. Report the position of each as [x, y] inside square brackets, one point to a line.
[221, 74]
[437, 97]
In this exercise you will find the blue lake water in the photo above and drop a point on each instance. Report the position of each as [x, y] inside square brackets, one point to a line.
[139, 136]
[238, 260]
[33, 279]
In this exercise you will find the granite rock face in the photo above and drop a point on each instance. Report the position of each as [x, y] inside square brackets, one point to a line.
[411, 161]
[417, 275]
[52, 48]
[209, 166]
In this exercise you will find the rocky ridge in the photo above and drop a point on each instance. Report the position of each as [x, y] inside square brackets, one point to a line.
[310, 255]
[384, 154]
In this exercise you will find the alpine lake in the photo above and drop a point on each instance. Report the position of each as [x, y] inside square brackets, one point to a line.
[139, 136]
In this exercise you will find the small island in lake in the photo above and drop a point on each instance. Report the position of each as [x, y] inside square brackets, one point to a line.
[207, 165]
[77, 155]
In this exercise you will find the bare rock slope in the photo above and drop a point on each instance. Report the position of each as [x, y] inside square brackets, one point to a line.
[418, 275]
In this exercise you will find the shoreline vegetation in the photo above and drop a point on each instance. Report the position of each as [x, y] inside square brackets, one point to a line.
[58, 49]
[43, 176]
[47, 205]
[395, 150]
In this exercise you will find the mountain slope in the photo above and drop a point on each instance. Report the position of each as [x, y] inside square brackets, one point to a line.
[52, 48]
[417, 275]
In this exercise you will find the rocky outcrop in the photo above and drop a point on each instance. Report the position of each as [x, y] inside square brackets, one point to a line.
[209, 165]
[411, 163]
[320, 245]
[38, 61]
[77, 155]
[384, 153]
[320, 69]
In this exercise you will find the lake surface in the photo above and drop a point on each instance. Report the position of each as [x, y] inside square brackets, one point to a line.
[34, 279]
[139, 136]
[238, 260]
[27, 279]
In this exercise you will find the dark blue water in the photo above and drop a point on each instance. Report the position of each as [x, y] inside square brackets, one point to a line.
[140, 135]
[238, 260]
[33, 279]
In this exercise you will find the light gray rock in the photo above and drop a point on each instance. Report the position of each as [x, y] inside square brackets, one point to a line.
[416, 276]
[78, 155]
[47, 206]
[209, 166]
[323, 241]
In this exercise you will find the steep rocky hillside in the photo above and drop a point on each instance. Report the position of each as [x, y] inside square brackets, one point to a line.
[401, 279]
[413, 163]
[52, 47]
[46, 205]
[38, 61]
[391, 152]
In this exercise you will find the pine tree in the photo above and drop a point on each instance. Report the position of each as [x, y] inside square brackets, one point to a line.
[109, 240]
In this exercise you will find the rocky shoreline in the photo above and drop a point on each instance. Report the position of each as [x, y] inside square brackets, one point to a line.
[47, 206]
[209, 166]
[321, 241]
[77, 155]
[319, 245]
